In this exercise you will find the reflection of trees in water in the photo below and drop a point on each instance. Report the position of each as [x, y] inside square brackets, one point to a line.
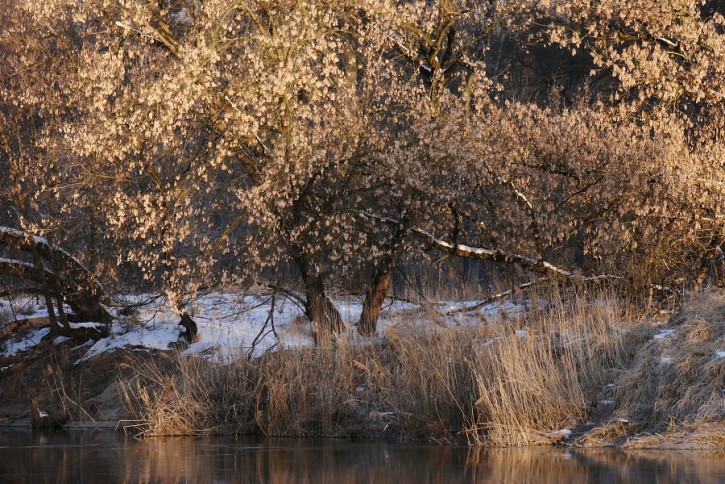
[104, 456]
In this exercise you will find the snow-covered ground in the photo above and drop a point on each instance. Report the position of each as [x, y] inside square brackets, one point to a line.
[231, 325]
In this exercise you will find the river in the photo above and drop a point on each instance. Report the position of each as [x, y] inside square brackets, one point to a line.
[105, 456]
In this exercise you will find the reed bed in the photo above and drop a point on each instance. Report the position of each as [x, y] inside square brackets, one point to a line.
[517, 381]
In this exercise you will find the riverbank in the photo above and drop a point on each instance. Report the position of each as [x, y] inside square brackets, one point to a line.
[576, 372]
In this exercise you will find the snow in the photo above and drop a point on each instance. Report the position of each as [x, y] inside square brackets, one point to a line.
[231, 326]
[12, 347]
[43, 241]
[563, 433]
[86, 325]
[159, 337]
[16, 262]
[183, 17]
[664, 334]
[490, 310]
[720, 353]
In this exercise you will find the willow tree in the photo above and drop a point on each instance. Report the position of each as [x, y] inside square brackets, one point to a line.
[256, 133]
[34, 110]
[211, 142]
[668, 63]
[236, 133]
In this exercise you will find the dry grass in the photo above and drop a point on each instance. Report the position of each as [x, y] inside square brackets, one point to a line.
[506, 383]
[701, 435]
[172, 395]
[532, 386]
[511, 383]
[676, 385]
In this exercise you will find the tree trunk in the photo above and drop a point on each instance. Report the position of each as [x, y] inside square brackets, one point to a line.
[190, 328]
[373, 303]
[375, 295]
[322, 313]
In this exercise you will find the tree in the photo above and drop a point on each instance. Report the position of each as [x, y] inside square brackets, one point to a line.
[217, 143]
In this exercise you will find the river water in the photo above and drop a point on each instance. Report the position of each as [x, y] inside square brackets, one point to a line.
[112, 457]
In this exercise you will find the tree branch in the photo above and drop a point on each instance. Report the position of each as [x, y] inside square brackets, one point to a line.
[481, 253]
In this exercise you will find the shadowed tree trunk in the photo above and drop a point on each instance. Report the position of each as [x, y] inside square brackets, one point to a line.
[373, 303]
[71, 282]
[375, 295]
[190, 328]
[322, 313]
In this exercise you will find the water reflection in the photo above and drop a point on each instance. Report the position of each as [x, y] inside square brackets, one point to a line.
[108, 456]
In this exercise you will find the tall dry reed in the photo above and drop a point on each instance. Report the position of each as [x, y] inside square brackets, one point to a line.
[509, 382]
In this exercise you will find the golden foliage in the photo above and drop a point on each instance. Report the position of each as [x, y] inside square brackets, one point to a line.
[209, 143]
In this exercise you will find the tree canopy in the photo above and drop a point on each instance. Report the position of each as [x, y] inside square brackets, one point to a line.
[302, 143]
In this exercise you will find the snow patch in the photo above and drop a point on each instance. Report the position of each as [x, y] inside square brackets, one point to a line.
[562, 433]
[232, 326]
[32, 338]
[159, 337]
[663, 334]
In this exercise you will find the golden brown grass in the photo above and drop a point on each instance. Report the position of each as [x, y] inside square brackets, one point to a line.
[675, 390]
[172, 395]
[511, 382]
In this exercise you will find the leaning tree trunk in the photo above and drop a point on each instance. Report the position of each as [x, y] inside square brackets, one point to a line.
[71, 282]
[373, 303]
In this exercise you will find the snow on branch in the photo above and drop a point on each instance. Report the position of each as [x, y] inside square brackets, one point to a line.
[494, 298]
[480, 253]
[74, 282]
[20, 269]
